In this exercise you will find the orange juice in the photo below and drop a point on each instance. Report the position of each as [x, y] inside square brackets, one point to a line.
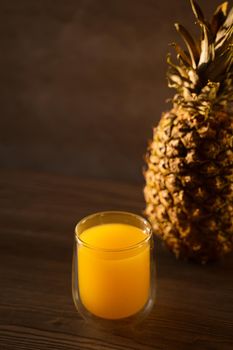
[114, 281]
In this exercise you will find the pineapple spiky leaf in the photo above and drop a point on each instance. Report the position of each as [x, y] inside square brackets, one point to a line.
[181, 54]
[190, 43]
[225, 29]
[219, 17]
[207, 48]
[197, 12]
[215, 56]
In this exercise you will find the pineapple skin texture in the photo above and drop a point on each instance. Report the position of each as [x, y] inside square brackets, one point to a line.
[189, 183]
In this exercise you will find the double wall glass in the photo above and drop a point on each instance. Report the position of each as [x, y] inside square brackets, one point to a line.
[113, 284]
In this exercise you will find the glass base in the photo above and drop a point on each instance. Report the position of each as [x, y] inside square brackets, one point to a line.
[103, 323]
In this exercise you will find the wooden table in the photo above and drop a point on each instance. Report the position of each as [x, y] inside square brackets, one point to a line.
[194, 308]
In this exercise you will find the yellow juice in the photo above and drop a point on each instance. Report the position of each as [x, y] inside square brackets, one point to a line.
[113, 284]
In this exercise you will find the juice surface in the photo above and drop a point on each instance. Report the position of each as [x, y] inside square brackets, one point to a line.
[113, 236]
[113, 284]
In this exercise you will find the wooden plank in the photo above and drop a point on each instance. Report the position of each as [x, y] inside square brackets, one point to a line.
[194, 308]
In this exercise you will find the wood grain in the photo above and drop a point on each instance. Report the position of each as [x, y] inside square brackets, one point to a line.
[194, 308]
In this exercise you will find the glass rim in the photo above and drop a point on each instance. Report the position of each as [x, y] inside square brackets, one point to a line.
[118, 250]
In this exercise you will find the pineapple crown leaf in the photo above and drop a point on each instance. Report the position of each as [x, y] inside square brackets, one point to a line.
[182, 56]
[225, 31]
[197, 12]
[208, 60]
[219, 17]
[207, 48]
[229, 19]
[177, 68]
[190, 43]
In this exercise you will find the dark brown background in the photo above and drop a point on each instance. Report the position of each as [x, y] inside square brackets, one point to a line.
[82, 82]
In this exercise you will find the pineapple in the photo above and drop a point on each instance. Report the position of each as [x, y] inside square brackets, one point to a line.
[189, 162]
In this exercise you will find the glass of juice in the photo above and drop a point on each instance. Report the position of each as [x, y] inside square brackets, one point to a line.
[113, 272]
